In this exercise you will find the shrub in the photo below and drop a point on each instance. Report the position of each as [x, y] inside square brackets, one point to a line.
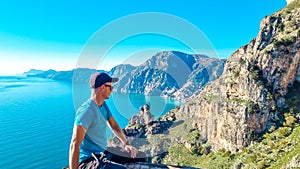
[269, 96]
[254, 74]
[252, 107]
[284, 41]
[284, 131]
[284, 142]
[227, 154]
[272, 145]
[251, 158]
[242, 61]
[222, 150]
[289, 120]
[193, 136]
[272, 128]
[179, 155]
[262, 164]
[266, 51]
[236, 74]
[250, 135]
[281, 27]
[267, 136]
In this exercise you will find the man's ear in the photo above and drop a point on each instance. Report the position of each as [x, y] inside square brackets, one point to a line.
[102, 87]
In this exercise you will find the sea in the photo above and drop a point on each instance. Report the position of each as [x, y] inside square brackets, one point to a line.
[37, 117]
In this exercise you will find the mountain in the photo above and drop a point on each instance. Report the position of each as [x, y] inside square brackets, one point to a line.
[80, 75]
[32, 72]
[250, 97]
[169, 74]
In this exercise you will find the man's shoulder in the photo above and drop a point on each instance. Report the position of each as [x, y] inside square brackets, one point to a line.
[87, 106]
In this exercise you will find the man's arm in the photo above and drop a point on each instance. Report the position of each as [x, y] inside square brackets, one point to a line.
[77, 137]
[119, 133]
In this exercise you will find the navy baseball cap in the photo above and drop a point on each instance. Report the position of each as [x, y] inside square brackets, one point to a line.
[100, 78]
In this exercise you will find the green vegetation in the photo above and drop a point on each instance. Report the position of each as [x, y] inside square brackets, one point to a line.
[294, 5]
[266, 51]
[281, 27]
[275, 150]
[242, 61]
[254, 73]
[237, 100]
[252, 107]
[236, 74]
[269, 96]
[289, 120]
[211, 97]
[287, 40]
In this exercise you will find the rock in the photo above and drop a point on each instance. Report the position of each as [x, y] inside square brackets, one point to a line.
[144, 117]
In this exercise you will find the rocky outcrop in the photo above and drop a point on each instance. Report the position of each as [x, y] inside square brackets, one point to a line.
[148, 135]
[248, 97]
[144, 117]
[143, 125]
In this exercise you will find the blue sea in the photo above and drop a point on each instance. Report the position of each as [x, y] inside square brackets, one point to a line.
[37, 115]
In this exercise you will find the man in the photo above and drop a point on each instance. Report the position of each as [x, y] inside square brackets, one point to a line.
[89, 140]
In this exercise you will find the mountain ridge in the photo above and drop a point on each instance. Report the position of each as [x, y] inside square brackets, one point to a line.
[169, 74]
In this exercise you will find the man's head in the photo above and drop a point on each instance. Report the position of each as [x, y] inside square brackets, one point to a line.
[98, 79]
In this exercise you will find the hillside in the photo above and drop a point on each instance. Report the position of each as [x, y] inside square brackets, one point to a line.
[249, 116]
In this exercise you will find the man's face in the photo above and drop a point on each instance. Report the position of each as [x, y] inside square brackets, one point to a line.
[108, 89]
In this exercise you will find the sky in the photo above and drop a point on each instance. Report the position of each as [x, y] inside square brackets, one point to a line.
[63, 35]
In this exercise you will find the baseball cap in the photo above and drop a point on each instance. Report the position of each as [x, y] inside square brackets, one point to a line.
[100, 78]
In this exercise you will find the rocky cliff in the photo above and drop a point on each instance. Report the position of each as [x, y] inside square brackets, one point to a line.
[249, 97]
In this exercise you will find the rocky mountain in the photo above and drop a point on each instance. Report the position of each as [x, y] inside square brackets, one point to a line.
[170, 74]
[249, 97]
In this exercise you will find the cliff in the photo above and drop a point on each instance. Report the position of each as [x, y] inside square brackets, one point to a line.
[249, 97]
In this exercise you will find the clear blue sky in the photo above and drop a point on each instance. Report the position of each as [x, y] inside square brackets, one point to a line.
[46, 34]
